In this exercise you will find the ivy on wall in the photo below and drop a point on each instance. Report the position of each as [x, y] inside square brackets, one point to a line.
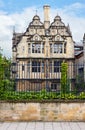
[64, 67]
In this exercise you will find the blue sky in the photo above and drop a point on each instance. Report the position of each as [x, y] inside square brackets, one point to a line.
[11, 6]
[19, 13]
[15, 5]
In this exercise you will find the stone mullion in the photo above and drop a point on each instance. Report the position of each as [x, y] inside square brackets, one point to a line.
[30, 67]
[53, 48]
[30, 48]
[52, 66]
[63, 48]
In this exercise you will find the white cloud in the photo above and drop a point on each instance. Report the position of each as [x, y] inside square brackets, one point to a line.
[21, 21]
[75, 6]
[70, 15]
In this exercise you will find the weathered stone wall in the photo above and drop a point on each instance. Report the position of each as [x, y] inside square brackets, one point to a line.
[42, 111]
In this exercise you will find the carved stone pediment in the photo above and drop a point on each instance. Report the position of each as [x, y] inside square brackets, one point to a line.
[36, 37]
[57, 23]
[58, 37]
[36, 23]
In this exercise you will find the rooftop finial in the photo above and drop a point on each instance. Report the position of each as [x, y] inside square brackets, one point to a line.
[68, 29]
[84, 37]
[13, 29]
[36, 11]
[57, 13]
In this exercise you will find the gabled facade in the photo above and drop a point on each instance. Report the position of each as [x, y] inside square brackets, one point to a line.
[39, 52]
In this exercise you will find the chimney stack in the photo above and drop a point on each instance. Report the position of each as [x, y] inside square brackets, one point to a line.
[46, 16]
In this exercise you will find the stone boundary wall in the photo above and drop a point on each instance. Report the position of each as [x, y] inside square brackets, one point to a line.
[42, 111]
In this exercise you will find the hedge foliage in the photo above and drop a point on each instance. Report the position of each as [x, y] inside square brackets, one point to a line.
[39, 96]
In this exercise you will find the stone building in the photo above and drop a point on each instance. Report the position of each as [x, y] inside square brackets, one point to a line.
[80, 60]
[39, 52]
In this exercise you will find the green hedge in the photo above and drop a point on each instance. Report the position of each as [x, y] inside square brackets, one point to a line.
[39, 96]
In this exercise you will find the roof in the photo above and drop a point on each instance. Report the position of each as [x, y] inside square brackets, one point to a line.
[36, 17]
[57, 18]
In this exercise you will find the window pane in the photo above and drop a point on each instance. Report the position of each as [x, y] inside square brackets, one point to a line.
[64, 47]
[35, 66]
[54, 86]
[57, 66]
[43, 48]
[33, 48]
[50, 67]
[37, 48]
[57, 47]
[60, 48]
[29, 48]
[50, 48]
[42, 66]
[23, 67]
[29, 66]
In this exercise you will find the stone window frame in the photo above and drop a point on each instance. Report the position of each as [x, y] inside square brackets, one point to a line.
[36, 66]
[38, 47]
[41, 66]
[55, 66]
[58, 47]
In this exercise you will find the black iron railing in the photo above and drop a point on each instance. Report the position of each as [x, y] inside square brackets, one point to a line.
[37, 81]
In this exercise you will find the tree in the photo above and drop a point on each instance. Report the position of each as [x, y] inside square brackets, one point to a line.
[4, 72]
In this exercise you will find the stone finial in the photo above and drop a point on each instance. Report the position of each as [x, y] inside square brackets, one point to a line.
[68, 27]
[84, 37]
[57, 18]
[13, 30]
